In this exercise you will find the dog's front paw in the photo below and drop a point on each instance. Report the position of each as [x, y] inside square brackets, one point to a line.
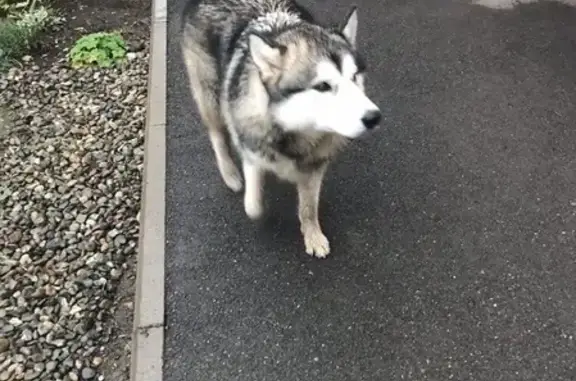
[253, 206]
[316, 243]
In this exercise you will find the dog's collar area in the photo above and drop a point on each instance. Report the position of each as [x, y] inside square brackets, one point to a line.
[294, 147]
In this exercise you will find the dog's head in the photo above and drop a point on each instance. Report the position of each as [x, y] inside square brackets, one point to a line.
[315, 79]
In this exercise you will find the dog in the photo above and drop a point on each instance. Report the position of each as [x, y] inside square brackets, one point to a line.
[284, 92]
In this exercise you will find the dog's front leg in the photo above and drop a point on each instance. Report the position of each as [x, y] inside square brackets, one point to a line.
[309, 187]
[254, 178]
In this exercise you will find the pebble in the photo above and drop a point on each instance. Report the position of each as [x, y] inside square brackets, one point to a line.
[88, 373]
[25, 260]
[15, 237]
[4, 344]
[15, 322]
[51, 366]
[26, 335]
[96, 361]
[44, 327]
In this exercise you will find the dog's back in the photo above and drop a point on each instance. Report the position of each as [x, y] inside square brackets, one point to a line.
[211, 29]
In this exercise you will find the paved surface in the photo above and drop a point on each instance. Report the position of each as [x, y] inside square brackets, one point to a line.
[453, 229]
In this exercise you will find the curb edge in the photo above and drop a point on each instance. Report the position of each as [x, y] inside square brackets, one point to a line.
[148, 325]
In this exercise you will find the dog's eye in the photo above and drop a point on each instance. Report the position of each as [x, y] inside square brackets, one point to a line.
[322, 87]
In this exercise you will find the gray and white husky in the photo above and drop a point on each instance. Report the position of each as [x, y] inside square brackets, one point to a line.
[287, 93]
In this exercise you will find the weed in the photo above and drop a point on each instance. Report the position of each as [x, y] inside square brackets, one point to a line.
[9, 8]
[13, 40]
[19, 30]
[98, 49]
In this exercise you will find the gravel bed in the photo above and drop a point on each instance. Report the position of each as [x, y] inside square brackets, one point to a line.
[70, 182]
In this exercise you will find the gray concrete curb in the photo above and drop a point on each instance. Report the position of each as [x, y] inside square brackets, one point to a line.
[148, 332]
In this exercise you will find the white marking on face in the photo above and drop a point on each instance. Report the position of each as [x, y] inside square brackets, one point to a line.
[340, 109]
[349, 67]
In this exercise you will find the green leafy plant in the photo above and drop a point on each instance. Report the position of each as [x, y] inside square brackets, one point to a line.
[100, 49]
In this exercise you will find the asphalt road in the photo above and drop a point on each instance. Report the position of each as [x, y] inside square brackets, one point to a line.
[453, 228]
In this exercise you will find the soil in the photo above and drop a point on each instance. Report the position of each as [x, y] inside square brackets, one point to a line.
[132, 19]
[80, 17]
[116, 354]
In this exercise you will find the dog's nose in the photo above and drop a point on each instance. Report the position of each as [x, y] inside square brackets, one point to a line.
[371, 119]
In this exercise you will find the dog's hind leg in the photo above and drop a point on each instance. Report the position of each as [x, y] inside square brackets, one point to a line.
[309, 188]
[203, 81]
[220, 144]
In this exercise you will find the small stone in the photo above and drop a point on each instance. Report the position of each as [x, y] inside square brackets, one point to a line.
[86, 195]
[88, 373]
[25, 260]
[75, 309]
[39, 367]
[26, 335]
[68, 363]
[119, 240]
[97, 361]
[31, 374]
[37, 218]
[115, 274]
[59, 343]
[44, 327]
[95, 260]
[136, 46]
[15, 322]
[90, 246]
[51, 365]
[15, 237]
[54, 244]
[4, 344]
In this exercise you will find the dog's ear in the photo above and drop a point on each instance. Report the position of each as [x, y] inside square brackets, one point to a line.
[267, 56]
[350, 26]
